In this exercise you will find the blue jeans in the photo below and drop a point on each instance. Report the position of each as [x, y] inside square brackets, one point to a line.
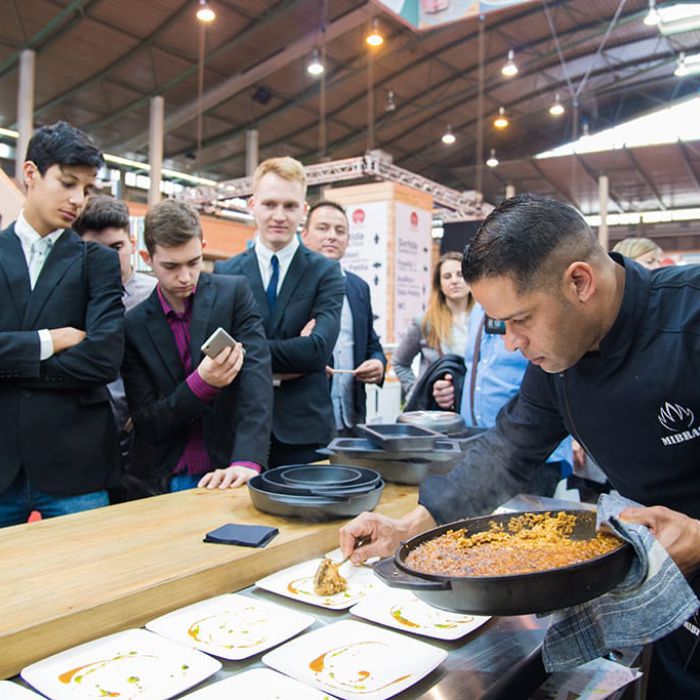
[21, 498]
[182, 482]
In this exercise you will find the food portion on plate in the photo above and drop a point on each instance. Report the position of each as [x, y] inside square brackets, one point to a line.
[328, 580]
[529, 543]
[297, 582]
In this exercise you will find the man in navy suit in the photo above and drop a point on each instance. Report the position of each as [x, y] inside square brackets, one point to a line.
[299, 295]
[358, 349]
[61, 340]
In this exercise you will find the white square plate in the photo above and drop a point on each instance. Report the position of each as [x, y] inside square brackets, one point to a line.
[353, 660]
[258, 683]
[128, 665]
[231, 626]
[297, 582]
[403, 611]
[12, 691]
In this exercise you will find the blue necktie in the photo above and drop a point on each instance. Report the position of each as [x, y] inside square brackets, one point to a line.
[274, 279]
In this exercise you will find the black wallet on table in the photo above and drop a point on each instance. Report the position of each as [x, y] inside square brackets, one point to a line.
[243, 535]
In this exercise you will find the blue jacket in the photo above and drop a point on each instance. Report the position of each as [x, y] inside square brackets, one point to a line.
[366, 345]
[634, 405]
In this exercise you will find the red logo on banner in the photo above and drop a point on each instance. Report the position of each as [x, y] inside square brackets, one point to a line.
[414, 220]
[358, 216]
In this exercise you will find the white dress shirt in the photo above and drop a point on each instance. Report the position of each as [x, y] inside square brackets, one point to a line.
[27, 235]
[284, 256]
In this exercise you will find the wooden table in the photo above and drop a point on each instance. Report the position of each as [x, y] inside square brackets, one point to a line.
[75, 578]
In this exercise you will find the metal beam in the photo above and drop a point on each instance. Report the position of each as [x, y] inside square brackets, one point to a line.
[241, 81]
[56, 24]
[645, 177]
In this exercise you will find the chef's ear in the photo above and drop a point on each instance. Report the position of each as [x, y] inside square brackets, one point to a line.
[579, 281]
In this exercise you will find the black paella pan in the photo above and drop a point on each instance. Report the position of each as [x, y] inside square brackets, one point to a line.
[514, 594]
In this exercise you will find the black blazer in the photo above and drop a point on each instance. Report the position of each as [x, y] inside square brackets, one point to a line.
[313, 288]
[366, 345]
[56, 419]
[236, 425]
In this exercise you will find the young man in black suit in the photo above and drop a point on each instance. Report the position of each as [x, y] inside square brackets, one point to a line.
[61, 340]
[358, 348]
[105, 220]
[299, 294]
[198, 421]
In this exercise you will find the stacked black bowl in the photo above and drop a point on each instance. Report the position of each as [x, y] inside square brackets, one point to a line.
[316, 492]
[404, 453]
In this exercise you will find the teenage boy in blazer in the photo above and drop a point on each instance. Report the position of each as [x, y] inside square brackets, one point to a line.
[61, 340]
[198, 421]
[299, 294]
[105, 220]
[358, 348]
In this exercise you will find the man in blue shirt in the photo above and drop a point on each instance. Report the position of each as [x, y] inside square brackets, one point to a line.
[493, 377]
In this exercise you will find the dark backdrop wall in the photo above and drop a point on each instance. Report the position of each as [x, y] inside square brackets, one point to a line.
[457, 235]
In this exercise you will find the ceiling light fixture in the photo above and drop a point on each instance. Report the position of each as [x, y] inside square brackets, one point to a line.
[509, 68]
[653, 17]
[682, 67]
[448, 138]
[375, 38]
[390, 101]
[492, 162]
[205, 13]
[501, 121]
[687, 65]
[315, 66]
[557, 109]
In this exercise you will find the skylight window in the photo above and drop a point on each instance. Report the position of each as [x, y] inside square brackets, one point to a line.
[681, 122]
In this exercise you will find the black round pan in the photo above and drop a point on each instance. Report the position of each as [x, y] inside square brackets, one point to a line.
[312, 508]
[517, 594]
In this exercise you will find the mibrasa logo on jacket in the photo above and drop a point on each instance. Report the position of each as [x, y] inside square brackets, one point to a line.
[679, 421]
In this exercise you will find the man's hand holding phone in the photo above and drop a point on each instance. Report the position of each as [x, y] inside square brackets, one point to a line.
[223, 359]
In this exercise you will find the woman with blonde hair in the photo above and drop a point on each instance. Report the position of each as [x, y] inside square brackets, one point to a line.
[443, 327]
[641, 250]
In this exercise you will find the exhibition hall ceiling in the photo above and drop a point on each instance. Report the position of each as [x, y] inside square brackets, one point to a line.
[98, 63]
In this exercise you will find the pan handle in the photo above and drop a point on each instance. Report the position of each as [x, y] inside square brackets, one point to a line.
[387, 570]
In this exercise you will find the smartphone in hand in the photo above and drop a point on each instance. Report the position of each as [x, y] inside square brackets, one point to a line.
[216, 342]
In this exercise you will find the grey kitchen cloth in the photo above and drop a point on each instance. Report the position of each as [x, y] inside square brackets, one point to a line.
[653, 600]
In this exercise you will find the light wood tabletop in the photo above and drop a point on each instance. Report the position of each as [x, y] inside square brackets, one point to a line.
[75, 578]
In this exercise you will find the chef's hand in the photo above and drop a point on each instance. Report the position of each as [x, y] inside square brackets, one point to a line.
[230, 478]
[370, 372]
[444, 393]
[384, 534]
[224, 368]
[678, 534]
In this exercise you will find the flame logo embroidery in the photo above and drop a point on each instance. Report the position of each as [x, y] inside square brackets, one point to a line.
[676, 418]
